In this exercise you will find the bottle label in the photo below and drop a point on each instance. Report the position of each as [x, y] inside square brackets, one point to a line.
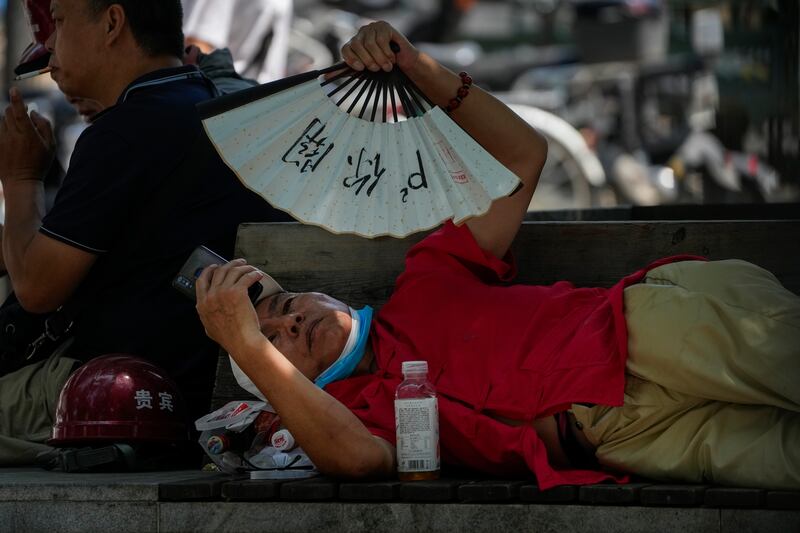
[417, 434]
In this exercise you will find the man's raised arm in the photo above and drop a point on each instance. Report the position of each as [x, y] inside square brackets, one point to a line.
[44, 272]
[499, 130]
[333, 437]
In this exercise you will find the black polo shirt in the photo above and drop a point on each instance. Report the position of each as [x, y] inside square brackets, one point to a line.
[143, 189]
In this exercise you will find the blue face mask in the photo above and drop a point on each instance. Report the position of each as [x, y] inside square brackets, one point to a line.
[354, 349]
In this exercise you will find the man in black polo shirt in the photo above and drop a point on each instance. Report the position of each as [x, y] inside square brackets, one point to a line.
[143, 189]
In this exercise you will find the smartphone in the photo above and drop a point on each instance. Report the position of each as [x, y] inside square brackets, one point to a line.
[201, 258]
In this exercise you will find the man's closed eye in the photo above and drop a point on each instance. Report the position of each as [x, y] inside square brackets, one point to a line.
[287, 305]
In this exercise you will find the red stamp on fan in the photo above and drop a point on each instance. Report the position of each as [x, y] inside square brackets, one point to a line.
[452, 162]
[459, 177]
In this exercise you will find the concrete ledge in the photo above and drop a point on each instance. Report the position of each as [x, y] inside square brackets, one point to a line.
[745, 520]
[50, 502]
[27, 485]
[489, 518]
[123, 517]
[80, 517]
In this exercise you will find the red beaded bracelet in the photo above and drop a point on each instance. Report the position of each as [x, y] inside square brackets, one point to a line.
[463, 92]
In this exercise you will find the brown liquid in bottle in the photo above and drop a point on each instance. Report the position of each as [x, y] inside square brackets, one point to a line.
[418, 476]
[417, 421]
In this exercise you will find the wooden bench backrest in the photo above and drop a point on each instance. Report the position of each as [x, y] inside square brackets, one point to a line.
[361, 271]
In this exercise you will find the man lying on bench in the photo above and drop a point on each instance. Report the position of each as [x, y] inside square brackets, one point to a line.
[685, 370]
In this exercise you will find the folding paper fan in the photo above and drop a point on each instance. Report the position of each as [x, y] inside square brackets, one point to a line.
[355, 152]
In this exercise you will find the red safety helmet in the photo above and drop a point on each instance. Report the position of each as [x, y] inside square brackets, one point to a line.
[119, 398]
[36, 56]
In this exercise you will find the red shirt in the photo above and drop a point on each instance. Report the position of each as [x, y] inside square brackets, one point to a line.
[518, 351]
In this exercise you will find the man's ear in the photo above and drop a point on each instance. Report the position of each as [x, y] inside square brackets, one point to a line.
[115, 20]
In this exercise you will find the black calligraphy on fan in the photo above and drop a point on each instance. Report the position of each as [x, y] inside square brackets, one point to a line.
[368, 171]
[416, 180]
[309, 149]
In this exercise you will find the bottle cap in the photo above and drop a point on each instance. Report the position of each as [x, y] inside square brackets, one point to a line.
[282, 440]
[415, 367]
[217, 444]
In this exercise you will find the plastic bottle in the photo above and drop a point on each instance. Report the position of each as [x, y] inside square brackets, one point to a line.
[416, 413]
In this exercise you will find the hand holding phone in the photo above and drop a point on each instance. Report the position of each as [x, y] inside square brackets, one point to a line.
[200, 259]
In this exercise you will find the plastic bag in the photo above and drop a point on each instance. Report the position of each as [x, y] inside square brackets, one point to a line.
[234, 416]
[237, 438]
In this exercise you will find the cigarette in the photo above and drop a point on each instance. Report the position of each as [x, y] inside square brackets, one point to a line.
[33, 74]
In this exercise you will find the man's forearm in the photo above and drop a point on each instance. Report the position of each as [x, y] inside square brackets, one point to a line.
[44, 272]
[486, 119]
[332, 436]
[24, 212]
[515, 144]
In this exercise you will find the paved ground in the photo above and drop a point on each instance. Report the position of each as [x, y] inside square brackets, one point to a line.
[34, 500]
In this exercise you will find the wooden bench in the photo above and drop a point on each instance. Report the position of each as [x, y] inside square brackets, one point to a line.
[360, 271]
